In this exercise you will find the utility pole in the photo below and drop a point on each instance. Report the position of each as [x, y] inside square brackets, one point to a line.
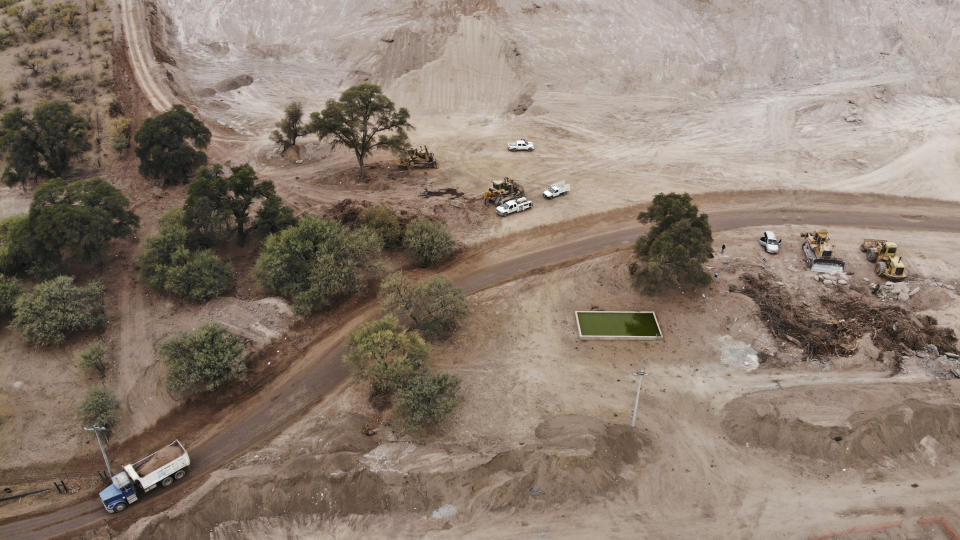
[636, 404]
[96, 431]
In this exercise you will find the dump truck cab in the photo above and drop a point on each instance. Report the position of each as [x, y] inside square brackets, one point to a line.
[120, 494]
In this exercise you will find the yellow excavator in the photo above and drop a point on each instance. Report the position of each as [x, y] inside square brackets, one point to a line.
[886, 255]
[502, 191]
[418, 158]
[818, 253]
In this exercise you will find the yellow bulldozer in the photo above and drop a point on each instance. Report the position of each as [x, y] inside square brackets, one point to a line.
[886, 255]
[818, 253]
[502, 191]
[417, 158]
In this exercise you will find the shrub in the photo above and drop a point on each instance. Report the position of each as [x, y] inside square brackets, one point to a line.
[385, 222]
[385, 354]
[205, 358]
[428, 242]
[10, 289]
[317, 262]
[93, 359]
[55, 309]
[17, 246]
[100, 408]
[273, 217]
[121, 133]
[435, 306]
[425, 400]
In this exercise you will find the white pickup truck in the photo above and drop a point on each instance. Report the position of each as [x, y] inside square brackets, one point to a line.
[556, 190]
[514, 206]
[520, 145]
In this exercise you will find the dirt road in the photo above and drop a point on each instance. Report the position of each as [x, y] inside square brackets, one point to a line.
[320, 372]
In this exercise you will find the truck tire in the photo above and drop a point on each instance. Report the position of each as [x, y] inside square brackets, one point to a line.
[166, 482]
[180, 474]
[872, 256]
[119, 507]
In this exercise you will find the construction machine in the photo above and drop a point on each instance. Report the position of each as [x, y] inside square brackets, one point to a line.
[886, 255]
[417, 158]
[818, 253]
[502, 191]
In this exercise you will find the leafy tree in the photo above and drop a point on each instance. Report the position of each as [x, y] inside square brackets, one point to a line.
[386, 222]
[435, 306]
[206, 358]
[92, 359]
[80, 218]
[10, 289]
[359, 121]
[316, 262]
[42, 145]
[169, 264]
[290, 127]
[426, 399]
[16, 245]
[100, 408]
[219, 204]
[55, 309]
[428, 242]
[384, 353]
[273, 217]
[675, 248]
[164, 149]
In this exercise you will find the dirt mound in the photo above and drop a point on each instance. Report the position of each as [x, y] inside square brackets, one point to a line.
[159, 459]
[844, 318]
[864, 438]
[570, 458]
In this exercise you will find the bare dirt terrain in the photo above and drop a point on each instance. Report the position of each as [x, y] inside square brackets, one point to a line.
[793, 115]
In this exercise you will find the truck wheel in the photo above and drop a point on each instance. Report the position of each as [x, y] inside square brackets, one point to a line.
[872, 256]
[120, 507]
[166, 482]
[180, 474]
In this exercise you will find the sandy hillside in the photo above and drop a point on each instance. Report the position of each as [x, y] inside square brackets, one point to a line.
[624, 99]
[542, 445]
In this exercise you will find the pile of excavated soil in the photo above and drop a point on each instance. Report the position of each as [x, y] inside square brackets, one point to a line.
[819, 424]
[571, 458]
[159, 459]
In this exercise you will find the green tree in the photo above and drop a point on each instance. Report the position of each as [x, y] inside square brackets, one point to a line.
[435, 306]
[10, 289]
[675, 248]
[164, 146]
[273, 217]
[42, 145]
[385, 221]
[168, 263]
[79, 218]
[359, 120]
[428, 242]
[425, 400]
[206, 358]
[100, 408]
[93, 359]
[317, 262]
[218, 204]
[56, 309]
[385, 354]
[290, 127]
[16, 245]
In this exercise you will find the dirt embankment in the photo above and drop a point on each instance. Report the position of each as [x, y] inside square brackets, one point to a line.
[569, 458]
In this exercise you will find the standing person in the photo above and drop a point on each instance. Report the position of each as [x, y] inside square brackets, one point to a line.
[723, 247]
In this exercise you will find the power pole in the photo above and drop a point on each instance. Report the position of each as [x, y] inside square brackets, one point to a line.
[636, 404]
[96, 431]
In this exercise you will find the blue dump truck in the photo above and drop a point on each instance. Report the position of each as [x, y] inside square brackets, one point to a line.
[160, 468]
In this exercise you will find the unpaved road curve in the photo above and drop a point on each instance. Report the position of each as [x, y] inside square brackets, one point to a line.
[320, 371]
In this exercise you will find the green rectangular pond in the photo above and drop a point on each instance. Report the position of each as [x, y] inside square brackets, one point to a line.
[618, 325]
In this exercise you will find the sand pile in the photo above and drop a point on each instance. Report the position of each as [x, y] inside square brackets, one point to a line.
[160, 459]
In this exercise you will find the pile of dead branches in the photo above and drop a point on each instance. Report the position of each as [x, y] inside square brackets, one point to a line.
[891, 328]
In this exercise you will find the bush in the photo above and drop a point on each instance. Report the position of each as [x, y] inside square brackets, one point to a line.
[385, 222]
[273, 217]
[121, 133]
[205, 358]
[92, 359]
[10, 289]
[168, 264]
[425, 400]
[100, 408]
[385, 354]
[55, 309]
[316, 262]
[428, 242]
[436, 306]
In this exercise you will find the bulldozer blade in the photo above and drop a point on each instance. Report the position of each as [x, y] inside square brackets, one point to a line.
[828, 266]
